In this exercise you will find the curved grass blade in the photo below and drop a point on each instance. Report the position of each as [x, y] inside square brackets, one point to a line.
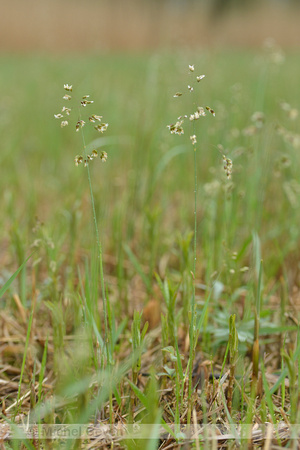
[9, 282]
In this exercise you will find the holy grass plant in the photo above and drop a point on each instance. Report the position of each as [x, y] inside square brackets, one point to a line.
[177, 128]
[85, 159]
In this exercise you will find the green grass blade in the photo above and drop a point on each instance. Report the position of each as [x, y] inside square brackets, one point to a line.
[140, 395]
[9, 282]
[24, 358]
[268, 394]
[259, 290]
[153, 442]
[43, 368]
[284, 373]
[138, 267]
[231, 422]
[201, 318]
[179, 364]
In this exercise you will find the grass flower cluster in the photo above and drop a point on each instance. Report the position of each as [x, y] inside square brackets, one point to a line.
[100, 126]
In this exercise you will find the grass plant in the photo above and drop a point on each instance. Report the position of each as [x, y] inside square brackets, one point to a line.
[180, 244]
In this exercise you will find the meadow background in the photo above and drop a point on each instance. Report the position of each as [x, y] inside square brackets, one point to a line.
[132, 57]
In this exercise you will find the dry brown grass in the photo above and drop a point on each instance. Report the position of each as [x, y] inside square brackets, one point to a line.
[74, 26]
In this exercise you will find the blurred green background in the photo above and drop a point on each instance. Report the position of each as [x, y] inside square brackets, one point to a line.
[131, 57]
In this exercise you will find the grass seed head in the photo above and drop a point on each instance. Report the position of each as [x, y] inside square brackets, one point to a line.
[66, 110]
[176, 128]
[197, 114]
[258, 118]
[93, 118]
[193, 139]
[86, 102]
[78, 160]
[211, 110]
[227, 166]
[103, 156]
[101, 127]
[79, 124]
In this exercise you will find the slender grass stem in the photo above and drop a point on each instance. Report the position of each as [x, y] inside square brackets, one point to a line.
[195, 225]
[100, 255]
[192, 322]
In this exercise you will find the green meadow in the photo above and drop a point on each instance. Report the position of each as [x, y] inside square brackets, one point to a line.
[68, 357]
